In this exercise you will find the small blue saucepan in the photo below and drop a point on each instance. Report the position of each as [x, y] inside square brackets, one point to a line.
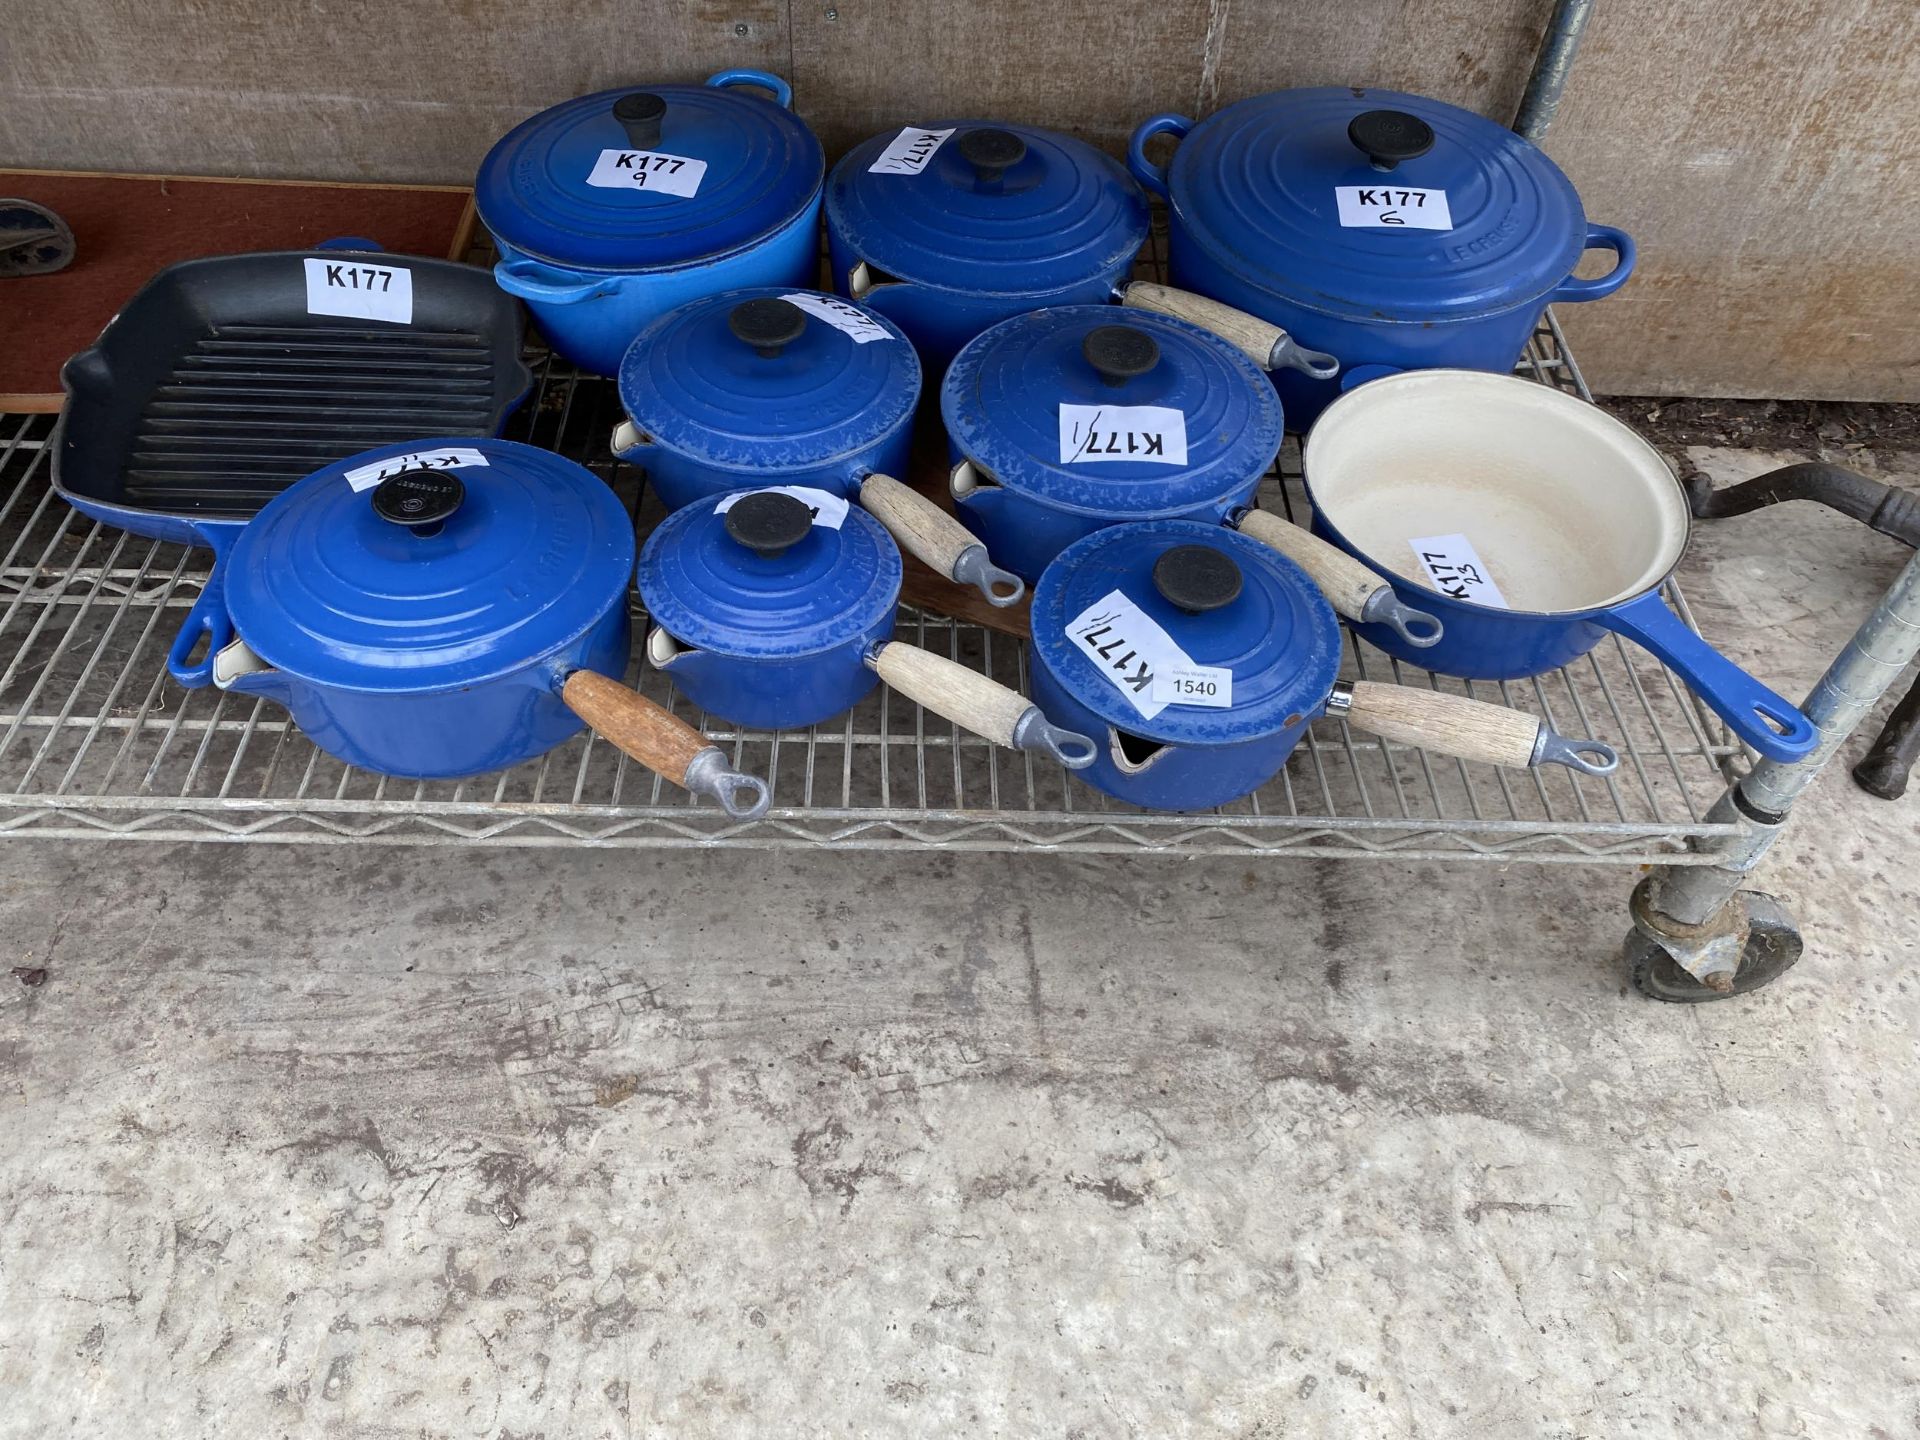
[1197, 657]
[762, 387]
[613, 208]
[1532, 523]
[776, 608]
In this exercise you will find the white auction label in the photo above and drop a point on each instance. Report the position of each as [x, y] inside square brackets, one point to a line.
[1130, 649]
[909, 152]
[847, 318]
[359, 291]
[1392, 207]
[1210, 686]
[1457, 569]
[365, 477]
[1152, 434]
[829, 510]
[652, 170]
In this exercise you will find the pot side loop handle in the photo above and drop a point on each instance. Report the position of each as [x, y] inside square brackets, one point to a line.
[782, 92]
[930, 534]
[1144, 170]
[1263, 342]
[969, 699]
[208, 617]
[1354, 591]
[1759, 716]
[664, 743]
[527, 280]
[1466, 729]
[1600, 237]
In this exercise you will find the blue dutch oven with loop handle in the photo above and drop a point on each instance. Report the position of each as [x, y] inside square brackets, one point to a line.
[1196, 658]
[613, 208]
[776, 608]
[1064, 421]
[443, 608]
[951, 227]
[1390, 230]
[767, 387]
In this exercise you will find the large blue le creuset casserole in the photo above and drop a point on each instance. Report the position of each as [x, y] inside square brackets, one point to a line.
[776, 608]
[951, 227]
[1387, 229]
[443, 608]
[1196, 658]
[613, 208]
[1532, 524]
[754, 388]
[1066, 420]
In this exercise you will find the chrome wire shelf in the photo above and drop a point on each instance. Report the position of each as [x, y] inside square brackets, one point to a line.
[95, 740]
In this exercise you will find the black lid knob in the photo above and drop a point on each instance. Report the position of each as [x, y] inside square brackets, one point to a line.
[1386, 137]
[1197, 578]
[1120, 352]
[767, 325]
[991, 152]
[640, 114]
[768, 523]
[419, 499]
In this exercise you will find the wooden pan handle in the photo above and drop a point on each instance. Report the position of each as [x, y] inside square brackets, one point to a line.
[930, 534]
[665, 744]
[986, 707]
[1354, 591]
[1264, 343]
[1449, 724]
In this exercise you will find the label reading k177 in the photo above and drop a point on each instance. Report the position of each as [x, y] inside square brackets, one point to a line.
[1392, 207]
[908, 152]
[848, 319]
[1456, 569]
[1154, 434]
[648, 170]
[1131, 650]
[359, 291]
[365, 477]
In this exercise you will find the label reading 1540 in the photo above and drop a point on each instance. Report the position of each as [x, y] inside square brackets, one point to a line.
[359, 291]
[1207, 686]
[653, 170]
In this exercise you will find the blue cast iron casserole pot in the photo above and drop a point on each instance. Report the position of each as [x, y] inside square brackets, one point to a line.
[615, 207]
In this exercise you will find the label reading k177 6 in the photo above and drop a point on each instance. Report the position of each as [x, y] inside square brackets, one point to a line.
[359, 291]
[648, 170]
[908, 152]
[1457, 570]
[365, 477]
[1133, 653]
[1154, 434]
[1392, 207]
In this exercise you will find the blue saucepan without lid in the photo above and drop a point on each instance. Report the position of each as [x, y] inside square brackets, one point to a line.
[952, 226]
[1196, 657]
[444, 608]
[776, 608]
[779, 386]
[1384, 228]
[1532, 523]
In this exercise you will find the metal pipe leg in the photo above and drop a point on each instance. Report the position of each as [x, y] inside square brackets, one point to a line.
[1551, 67]
[1698, 915]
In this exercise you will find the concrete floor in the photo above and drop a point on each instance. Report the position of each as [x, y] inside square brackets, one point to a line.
[376, 1143]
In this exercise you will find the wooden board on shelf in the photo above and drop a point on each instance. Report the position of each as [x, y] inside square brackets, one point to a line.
[129, 227]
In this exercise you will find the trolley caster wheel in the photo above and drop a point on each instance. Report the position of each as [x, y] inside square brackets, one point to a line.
[1773, 945]
[33, 240]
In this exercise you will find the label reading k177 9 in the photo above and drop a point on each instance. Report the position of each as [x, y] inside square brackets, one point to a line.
[1392, 207]
[1154, 434]
[365, 477]
[1135, 655]
[648, 170]
[359, 291]
[908, 152]
[1456, 569]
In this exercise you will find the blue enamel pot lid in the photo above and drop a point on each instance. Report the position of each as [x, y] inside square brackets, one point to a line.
[769, 580]
[994, 208]
[1106, 625]
[1026, 402]
[555, 188]
[1259, 187]
[484, 557]
[769, 379]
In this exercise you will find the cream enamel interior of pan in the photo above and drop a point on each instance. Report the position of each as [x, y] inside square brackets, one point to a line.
[1567, 508]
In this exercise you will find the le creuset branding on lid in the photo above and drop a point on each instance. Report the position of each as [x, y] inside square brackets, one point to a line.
[769, 379]
[1110, 411]
[1186, 633]
[759, 574]
[433, 577]
[648, 177]
[973, 205]
[1376, 204]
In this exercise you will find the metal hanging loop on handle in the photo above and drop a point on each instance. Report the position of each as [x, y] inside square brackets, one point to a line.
[1033, 731]
[743, 796]
[1417, 627]
[1553, 748]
